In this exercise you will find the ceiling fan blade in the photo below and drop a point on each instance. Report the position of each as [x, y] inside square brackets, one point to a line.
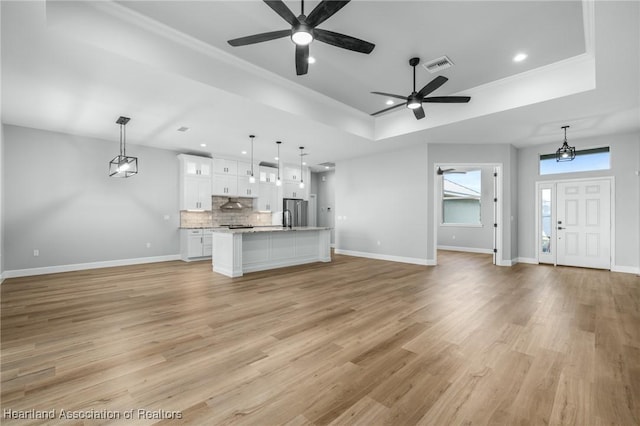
[343, 41]
[391, 95]
[259, 38]
[448, 99]
[281, 9]
[302, 59]
[419, 113]
[432, 85]
[325, 10]
[388, 109]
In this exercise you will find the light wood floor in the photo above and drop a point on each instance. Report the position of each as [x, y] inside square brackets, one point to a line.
[356, 341]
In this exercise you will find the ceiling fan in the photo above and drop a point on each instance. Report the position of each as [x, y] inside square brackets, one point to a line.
[447, 171]
[415, 99]
[303, 31]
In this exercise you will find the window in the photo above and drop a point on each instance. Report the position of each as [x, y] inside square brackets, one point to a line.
[585, 161]
[461, 197]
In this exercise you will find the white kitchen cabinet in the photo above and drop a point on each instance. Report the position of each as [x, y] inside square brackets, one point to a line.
[293, 190]
[195, 244]
[246, 189]
[195, 182]
[292, 174]
[244, 170]
[193, 165]
[225, 167]
[196, 193]
[268, 198]
[268, 174]
[225, 185]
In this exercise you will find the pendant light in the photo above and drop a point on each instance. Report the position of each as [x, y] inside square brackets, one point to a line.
[565, 152]
[121, 165]
[278, 181]
[252, 178]
[301, 178]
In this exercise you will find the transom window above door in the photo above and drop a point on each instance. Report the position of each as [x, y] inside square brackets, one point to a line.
[586, 160]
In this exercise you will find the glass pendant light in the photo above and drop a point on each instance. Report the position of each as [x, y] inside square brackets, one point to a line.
[278, 181]
[252, 178]
[565, 152]
[301, 178]
[122, 165]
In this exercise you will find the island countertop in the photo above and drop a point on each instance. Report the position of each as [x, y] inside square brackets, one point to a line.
[241, 250]
[268, 229]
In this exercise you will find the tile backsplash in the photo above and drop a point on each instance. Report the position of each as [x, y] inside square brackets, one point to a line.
[217, 217]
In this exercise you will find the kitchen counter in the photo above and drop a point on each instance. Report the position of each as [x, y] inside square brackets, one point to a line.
[268, 229]
[238, 251]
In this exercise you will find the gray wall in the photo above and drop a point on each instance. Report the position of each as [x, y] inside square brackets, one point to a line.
[625, 161]
[60, 200]
[490, 154]
[381, 198]
[2, 203]
[472, 237]
[326, 200]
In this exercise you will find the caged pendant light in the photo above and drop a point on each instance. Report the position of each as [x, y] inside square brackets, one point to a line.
[565, 152]
[122, 165]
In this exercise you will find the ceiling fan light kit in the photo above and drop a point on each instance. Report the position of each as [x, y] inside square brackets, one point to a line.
[415, 100]
[303, 31]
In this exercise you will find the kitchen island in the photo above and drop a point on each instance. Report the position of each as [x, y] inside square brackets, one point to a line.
[237, 251]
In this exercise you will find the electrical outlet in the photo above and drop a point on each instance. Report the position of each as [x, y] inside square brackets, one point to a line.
[148, 245]
[36, 252]
[166, 217]
[453, 237]
[378, 242]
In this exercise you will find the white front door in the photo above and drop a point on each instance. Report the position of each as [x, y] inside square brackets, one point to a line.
[583, 223]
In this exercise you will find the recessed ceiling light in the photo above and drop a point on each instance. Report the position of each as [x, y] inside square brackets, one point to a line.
[520, 57]
[183, 129]
[390, 102]
[311, 60]
[304, 163]
[244, 152]
[276, 158]
[327, 167]
[203, 145]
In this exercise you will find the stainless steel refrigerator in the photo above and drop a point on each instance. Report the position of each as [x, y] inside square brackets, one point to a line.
[298, 209]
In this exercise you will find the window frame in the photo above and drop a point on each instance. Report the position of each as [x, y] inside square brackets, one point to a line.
[444, 198]
[581, 152]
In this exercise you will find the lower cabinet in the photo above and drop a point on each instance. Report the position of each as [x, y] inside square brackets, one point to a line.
[195, 244]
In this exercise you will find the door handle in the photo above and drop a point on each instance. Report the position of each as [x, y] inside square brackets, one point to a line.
[560, 228]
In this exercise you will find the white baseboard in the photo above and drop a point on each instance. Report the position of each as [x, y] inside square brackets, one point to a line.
[378, 256]
[625, 269]
[332, 245]
[466, 249]
[502, 262]
[83, 266]
[530, 260]
[1, 277]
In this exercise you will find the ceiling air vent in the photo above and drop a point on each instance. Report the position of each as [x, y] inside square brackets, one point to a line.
[439, 64]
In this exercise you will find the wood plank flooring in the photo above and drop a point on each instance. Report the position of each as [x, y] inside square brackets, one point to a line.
[356, 341]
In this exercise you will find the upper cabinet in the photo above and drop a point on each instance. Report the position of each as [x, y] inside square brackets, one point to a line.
[244, 170]
[268, 174]
[195, 182]
[225, 167]
[193, 165]
[231, 178]
[292, 174]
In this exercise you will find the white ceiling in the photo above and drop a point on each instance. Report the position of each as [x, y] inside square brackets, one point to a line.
[75, 67]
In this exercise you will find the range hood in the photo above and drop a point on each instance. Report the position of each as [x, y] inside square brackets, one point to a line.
[232, 204]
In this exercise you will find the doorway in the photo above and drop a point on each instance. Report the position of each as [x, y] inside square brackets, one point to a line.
[468, 217]
[574, 222]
